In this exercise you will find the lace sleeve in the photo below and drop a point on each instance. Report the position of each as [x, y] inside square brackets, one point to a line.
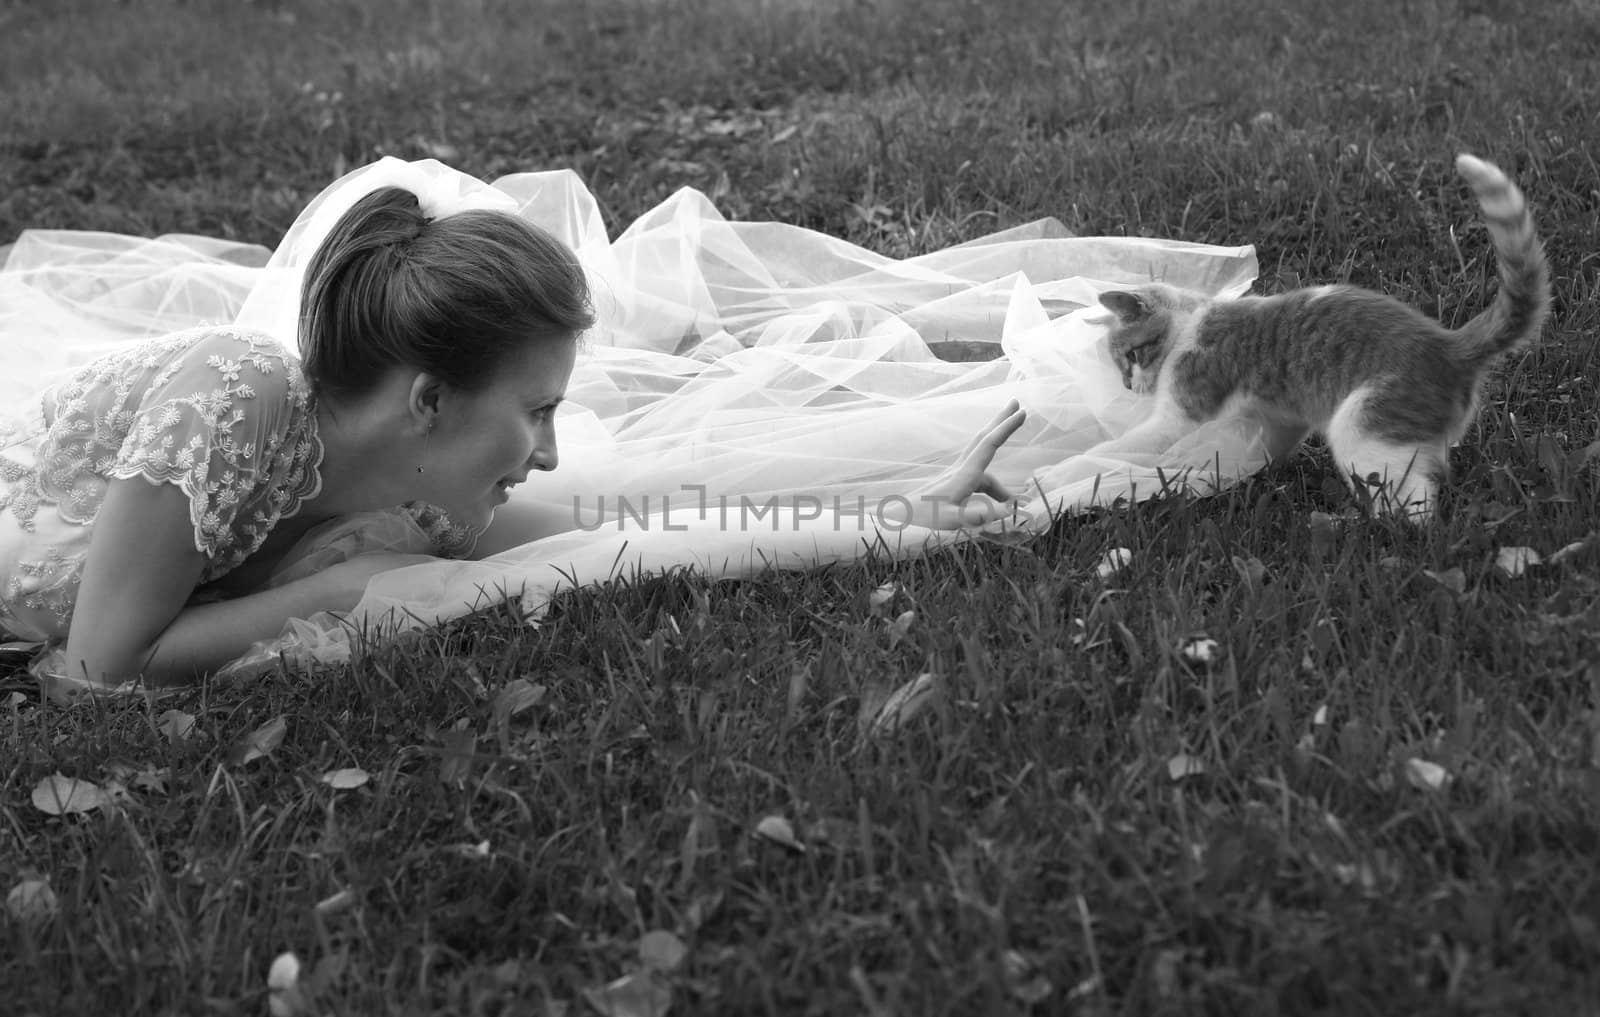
[215, 421]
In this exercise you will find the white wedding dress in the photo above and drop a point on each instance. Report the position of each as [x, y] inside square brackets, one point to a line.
[752, 395]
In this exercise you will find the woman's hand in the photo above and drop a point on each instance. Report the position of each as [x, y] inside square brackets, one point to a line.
[966, 494]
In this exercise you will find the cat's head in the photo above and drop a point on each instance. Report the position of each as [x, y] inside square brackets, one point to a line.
[1141, 336]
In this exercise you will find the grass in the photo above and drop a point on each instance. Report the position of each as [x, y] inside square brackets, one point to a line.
[1022, 844]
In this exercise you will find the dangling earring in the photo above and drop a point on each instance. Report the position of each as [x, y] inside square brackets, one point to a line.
[425, 436]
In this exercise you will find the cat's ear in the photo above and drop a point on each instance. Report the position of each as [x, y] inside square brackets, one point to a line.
[1128, 306]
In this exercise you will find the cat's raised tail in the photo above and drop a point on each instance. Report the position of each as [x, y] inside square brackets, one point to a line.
[1519, 308]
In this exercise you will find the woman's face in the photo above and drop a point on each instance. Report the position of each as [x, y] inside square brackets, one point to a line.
[485, 442]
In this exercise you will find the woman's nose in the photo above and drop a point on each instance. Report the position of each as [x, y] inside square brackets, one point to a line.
[544, 457]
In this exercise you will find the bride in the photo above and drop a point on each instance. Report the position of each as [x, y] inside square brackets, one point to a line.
[239, 457]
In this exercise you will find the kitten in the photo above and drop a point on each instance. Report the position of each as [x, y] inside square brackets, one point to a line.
[1387, 387]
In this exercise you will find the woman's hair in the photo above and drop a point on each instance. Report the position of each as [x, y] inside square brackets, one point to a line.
[452, 297]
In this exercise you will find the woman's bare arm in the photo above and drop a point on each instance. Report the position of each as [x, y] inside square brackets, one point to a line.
[142, 568]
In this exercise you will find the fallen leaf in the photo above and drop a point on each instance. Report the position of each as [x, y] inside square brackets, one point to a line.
[641, 994]
[1251, 570]
[1164, 972]
[508, 974]
[455, 766]
[904, 704]
[334, 904]
[900, 626]
[1425, 775]
[284, 973]
[517, 696]
[1452, 579]
[1184, 765]
[880, 597]
[1323, 534]
[779, 831]
[175, 726]
[1360, 875]
[660, 950]
[799, 682]
[59, 796]
[152, 779]
[31, 902]
[1514, 561]
[835, 834]
[1566, 552]
[1023, 979]
[1115, 560]
[285, 998]
[259, 743]
[346, 779]
[1201, 650]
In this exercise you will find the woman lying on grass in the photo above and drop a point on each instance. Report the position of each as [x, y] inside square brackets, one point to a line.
[148, 502]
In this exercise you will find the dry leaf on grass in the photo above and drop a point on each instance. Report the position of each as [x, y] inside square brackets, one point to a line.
[457, 756]
[1514, 561]
[1426, 776]
[31, 902]
[1452, 579]
[175, 726]
[1201, 650]
[1576, 547]
[285, 997]
[346, 779]
[882, 596]
[641, 994]
[904, 704]
[779, 831]
[1251, 570]
[900, 626]
[517, 696]
[344, 900]
[1115, 560]
[660, 950]
[58, 795]
[259, 743]
[1184, 765]
[1023, 979]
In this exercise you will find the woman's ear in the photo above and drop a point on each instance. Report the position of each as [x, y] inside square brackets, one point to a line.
[424, 400]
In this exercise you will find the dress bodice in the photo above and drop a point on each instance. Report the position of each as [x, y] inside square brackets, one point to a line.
[222, 413]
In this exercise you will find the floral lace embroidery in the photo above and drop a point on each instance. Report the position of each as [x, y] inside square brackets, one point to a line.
[20, 496]
[47, 584]
[224, 414]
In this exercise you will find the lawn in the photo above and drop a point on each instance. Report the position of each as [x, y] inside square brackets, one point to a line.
[1287, 760]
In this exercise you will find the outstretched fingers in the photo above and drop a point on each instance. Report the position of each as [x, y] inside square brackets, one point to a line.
[981, 449]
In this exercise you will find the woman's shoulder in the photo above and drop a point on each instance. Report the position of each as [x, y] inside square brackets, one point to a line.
[232, 344]
[245, 361]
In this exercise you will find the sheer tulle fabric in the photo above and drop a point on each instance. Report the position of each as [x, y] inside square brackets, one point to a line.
[753, 395]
